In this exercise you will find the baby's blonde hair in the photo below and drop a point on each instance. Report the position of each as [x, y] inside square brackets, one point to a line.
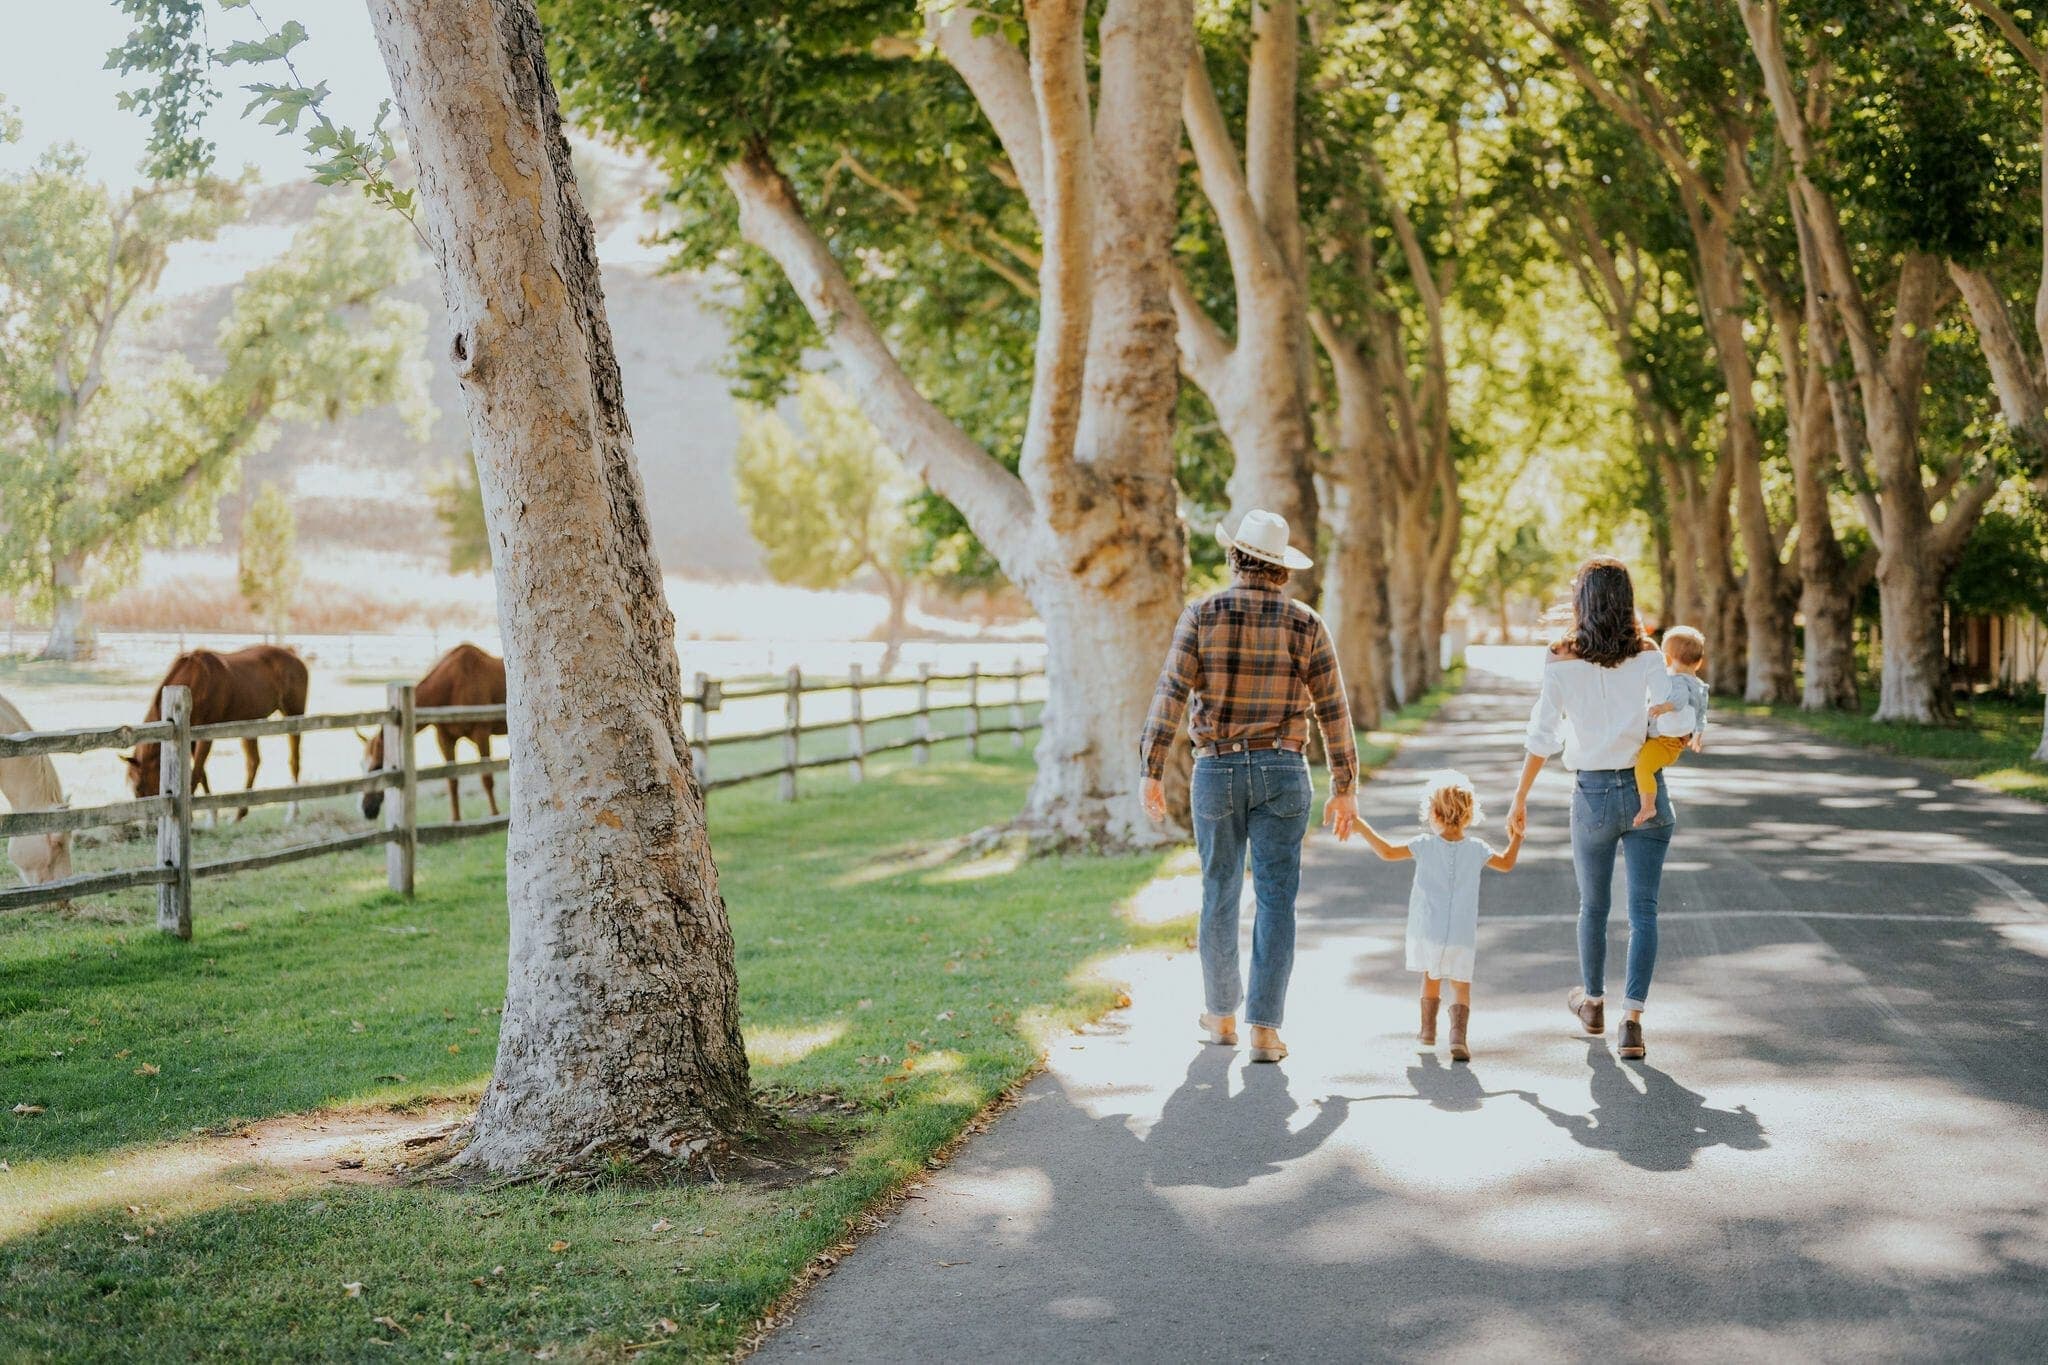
[1449, 803]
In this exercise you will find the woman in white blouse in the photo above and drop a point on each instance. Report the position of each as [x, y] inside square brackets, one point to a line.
[1598, 686]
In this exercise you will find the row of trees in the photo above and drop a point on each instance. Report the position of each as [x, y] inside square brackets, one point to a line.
[1015, 174]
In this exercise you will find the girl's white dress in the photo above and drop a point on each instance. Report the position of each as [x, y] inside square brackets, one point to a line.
[1443, 907]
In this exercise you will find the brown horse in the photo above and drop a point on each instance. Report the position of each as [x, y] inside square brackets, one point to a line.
[464, 676]
[249, 684]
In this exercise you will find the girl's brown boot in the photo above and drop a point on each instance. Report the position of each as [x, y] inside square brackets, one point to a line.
[1460, 1016]
[1429, 1004]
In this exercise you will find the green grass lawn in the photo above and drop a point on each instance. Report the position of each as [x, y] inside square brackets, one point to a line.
[1992, 742]
[861, 946]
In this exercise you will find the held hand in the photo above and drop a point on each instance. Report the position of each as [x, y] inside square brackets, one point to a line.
[1518, 818]
[1663, 708]
[1698, 744]
[1340, 815]
[1153, 794]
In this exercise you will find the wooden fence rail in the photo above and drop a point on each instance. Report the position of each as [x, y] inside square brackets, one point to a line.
[402, 832]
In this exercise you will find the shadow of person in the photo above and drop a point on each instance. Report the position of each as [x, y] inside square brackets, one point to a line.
[1208, 1135]
[1659, 1127]
[1453, 1089]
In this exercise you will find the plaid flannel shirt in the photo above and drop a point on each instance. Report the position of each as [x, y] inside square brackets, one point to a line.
[1259, 664]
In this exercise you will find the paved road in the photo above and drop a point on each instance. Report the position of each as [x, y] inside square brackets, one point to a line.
[1838, 1147]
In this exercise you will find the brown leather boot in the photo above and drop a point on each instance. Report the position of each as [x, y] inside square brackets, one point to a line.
[1591, 1014]
[1461, 1015]
[1429, 1004]
[1632, 1048]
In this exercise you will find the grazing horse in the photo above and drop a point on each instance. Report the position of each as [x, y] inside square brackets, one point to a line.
[31, 784]
[249, 684]
[464, 676]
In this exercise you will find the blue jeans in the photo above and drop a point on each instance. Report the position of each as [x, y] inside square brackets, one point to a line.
[1603, 813]
[1260, 800]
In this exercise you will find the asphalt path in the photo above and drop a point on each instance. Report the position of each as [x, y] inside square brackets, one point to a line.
[1837, 1147]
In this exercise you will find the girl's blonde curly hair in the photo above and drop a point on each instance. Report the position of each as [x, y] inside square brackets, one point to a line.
[1449, 803]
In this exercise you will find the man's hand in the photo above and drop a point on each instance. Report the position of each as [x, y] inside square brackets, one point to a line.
[1518, 818]
[1341, 815]
[1153, 794]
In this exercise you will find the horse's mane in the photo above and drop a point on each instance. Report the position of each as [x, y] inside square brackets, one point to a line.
[28, 783]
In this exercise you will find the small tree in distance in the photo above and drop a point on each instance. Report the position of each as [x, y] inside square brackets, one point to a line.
[828, 504]
[268, 566]
[459, 506]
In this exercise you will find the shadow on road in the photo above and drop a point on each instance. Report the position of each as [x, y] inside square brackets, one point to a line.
[1660, 1127]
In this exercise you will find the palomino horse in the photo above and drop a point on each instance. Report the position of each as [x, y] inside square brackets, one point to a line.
[31, 784]
[464, 676]
[249, 684]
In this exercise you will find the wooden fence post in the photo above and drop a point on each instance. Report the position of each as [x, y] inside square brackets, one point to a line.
[174, 827]
[401, 813]
[1017, 705]
[792, 720]
[923, 752]
[857, 767]
[700, 729]
[974, 710]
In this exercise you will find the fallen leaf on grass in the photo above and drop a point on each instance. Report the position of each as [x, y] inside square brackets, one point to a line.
[147, 1069]
[353, 1288]
[392, 1323]
[356, 1026]
[667, 1325]
[26, 1109]
[945, 1015]
[661, 1225]
[130, 1237]
[455, 1047]
[122, 1053]
[558, 1246]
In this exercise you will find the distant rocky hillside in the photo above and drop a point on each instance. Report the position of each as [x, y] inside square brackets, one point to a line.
[361, 483]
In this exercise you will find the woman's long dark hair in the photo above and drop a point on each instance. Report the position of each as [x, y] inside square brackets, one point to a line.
[1605, 629]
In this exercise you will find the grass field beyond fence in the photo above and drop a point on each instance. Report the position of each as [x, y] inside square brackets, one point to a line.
[863, 941]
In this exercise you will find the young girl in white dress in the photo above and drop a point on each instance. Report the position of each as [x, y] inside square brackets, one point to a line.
[1443, 907]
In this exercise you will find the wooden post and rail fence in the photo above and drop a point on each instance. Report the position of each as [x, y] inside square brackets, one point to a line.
[402, 832]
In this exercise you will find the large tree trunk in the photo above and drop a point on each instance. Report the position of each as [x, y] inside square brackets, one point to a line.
[1407, 602]
[1721, 597]
[621, 1024]
[898, 625]
[1089, 528]
[1766, 609]
[1913, 686]
[1356, 601]
[67, 638]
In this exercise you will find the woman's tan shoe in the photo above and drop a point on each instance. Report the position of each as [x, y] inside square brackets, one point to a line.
[1266, 1044]
[1221, 1028]
[1429, 1004]
[1461, 1015]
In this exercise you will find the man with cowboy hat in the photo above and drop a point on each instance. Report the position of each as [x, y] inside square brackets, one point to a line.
[1259, 664]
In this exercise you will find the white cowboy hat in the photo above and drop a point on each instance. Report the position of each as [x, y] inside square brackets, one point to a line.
[1263, 535]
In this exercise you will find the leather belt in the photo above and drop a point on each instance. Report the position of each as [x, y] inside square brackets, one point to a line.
[1246, 746]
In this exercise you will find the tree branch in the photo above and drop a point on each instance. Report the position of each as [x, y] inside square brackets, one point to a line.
[1000, 79]
[991, 498]
[1059, 83]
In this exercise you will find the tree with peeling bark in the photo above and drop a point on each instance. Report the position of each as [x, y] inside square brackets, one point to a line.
[762, 99]
[620, 1033]
[1872, 240]
[621, 1025]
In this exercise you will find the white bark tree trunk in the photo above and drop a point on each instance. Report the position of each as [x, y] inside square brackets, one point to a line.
[1089, 529]
[621, 1024]
[67, 610]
